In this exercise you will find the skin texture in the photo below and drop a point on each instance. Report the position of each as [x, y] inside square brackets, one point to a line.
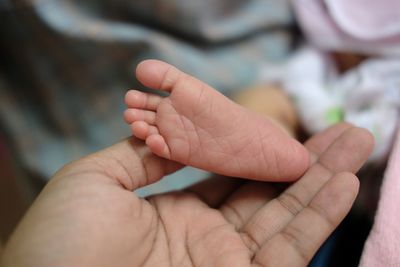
[87, 215]
[196, 125]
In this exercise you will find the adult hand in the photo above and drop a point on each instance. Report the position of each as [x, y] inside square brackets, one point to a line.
[88, 216]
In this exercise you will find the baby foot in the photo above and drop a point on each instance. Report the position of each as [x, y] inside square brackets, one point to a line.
[198, 126]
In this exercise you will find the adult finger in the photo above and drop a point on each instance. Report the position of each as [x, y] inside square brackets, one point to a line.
[346, 154]
[296, 243]
[319, 142]
[246, 200]
[129, 163]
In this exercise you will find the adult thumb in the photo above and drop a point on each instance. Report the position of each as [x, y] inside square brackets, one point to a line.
[129, 162]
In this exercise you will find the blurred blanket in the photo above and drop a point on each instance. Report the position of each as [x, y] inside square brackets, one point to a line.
[66, 64]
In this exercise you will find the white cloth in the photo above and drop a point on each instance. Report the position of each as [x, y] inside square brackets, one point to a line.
[367, 96]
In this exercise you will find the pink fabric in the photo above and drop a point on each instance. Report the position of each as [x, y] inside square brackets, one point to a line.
[383, 244]
[363, 26]
[366, 19]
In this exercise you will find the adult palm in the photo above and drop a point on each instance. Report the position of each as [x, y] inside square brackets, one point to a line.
[88, 216]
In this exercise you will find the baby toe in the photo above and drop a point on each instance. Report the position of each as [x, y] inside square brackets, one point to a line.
[158, 146]
[140, 100]
[132, 114]
[140, 129]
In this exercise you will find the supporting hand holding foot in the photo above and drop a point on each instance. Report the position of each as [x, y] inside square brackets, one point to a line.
[88, 216]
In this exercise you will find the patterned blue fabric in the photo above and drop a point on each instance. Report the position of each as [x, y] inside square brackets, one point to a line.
[65, 65]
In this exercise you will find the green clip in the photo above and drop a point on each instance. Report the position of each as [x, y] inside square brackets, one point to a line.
[334, 115]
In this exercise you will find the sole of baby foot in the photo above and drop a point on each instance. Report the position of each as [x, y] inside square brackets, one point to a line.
[198, 126]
